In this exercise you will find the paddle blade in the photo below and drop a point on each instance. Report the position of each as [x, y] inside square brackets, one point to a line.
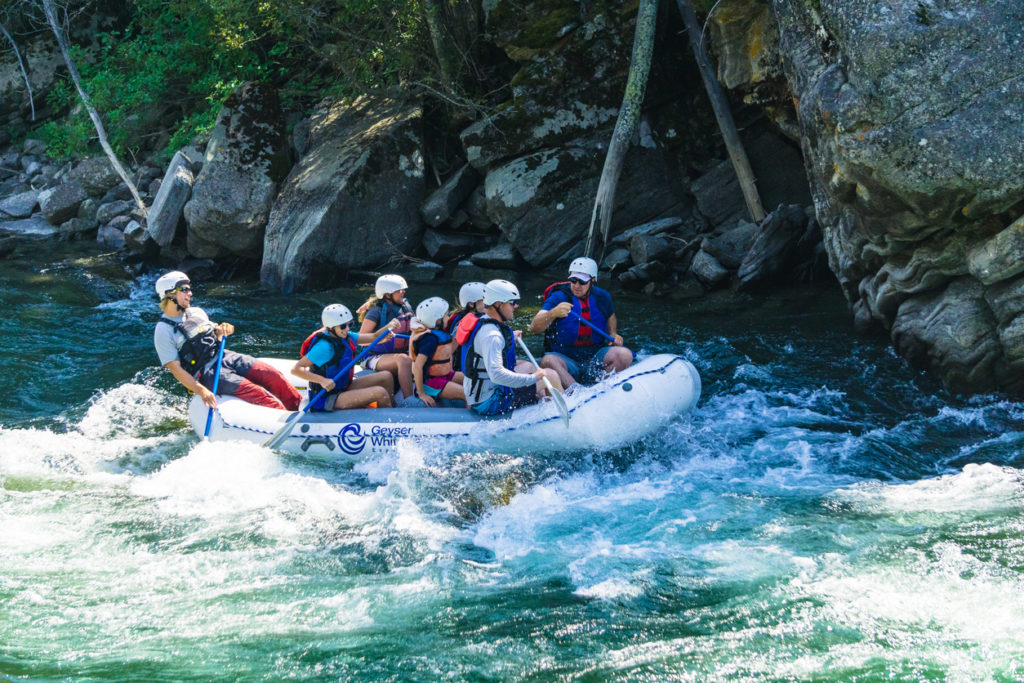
[284, 432]
[559, 400]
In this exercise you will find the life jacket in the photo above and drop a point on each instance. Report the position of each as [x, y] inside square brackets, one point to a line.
[440, 364]
[388, 313]
[342, 353]
[569, 331]
[461, 328]
[472, 363]
[200, 347]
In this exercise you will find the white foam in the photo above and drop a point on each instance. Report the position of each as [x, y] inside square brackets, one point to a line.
[984, 487]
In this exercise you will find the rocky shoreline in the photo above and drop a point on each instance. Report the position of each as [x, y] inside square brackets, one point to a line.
[887, 142]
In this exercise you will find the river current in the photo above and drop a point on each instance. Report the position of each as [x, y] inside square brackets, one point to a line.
[826, 513]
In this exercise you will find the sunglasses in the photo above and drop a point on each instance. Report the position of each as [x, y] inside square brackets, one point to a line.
[577, 281]
[184, 288]
[515, 304]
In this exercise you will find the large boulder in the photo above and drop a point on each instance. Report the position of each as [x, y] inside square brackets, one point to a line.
[42, 59]
[543, 202]
[96, 175]
[353, 200]
[169, 203]
[912, 125]
[59, 204]
[246, 158]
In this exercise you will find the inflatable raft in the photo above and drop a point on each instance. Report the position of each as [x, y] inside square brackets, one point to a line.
[621, 409]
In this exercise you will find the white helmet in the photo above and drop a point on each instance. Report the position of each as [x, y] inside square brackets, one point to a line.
[497, 291]
[431, 310]
[386, 284]
[169, 281]
[587, 266]
[334, 315]
[470, 292]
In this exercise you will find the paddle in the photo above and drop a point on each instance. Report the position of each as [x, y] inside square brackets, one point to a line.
[556, 395]
[281, 434]
[594, 327]
[216, 381]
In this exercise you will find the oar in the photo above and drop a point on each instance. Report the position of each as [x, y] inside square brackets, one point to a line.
[216, 381]
[281, 434]
[594, 327]
[556, 395]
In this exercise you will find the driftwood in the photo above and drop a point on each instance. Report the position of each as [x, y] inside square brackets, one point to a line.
[625, 127]
[24, 73]
[58, 32]
[722, 114]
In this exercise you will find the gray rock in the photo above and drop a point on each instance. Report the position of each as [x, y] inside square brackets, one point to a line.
[445, 246]
[34, 226]
[166, 212]
[110, 236]
[20, 205]
[246, 158]
[783, 240]
[353, 200]
[502, 256]
[119, 208]
[730, 247]
[618, 259]
[95, 175]
[708, 270]
[32, 145]
[718, 195]
[421, 271]
[88, 209]
[652, 228]
[118, 193]
[532, 196]
[70, 229]
[645, 248]
[136, 237]
[443, 201]
[1000, 257]
[61, 203]
[913, 138]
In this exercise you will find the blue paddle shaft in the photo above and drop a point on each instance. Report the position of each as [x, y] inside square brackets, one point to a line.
[216, 382]
[346, 368]
[594, 327]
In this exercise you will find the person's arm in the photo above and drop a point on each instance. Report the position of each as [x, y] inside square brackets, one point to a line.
[613, 325]
[191, 383]
[496, 370]
[417, 376]
[302, 369]
[544, 318]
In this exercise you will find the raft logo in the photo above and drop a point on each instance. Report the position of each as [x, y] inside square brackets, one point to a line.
[351, 439]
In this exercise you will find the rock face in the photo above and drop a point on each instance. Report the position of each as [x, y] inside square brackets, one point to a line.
[353, 200]
[246, 159]
[912, 122]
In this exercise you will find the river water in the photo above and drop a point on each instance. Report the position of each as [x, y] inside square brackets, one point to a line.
[826, 513]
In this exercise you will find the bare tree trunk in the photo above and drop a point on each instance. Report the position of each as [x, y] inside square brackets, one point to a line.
[24, 73]
[722, 114]
[625, 127]
[442, 45]
[51, 17]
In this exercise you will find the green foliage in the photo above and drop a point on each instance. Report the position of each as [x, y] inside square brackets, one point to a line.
[922, 14]
[170, 64]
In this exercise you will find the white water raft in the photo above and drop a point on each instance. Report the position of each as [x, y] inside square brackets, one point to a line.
[619, 410]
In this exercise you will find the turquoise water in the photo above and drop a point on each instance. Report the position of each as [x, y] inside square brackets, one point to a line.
[825, 514]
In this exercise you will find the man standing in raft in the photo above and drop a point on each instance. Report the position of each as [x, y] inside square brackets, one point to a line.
[187, 344]
[572, 348]
[495, 383]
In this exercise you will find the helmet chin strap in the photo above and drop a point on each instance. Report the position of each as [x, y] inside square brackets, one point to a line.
[500, 314]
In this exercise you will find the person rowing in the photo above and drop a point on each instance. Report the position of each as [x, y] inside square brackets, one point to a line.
[330, 350]
[495, 381]
[580, 328]
[187, 343]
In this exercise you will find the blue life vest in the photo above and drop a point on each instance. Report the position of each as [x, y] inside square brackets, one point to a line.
[472, 363]
[396, 344]
[569, 332]
[343, 351]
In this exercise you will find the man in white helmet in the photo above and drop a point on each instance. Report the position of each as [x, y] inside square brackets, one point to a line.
[495, 382]
[187, 344]
[579, 325]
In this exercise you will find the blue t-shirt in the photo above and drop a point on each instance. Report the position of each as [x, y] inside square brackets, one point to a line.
[320, 353]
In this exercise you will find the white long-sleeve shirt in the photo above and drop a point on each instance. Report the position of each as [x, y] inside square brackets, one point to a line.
[490, 344]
